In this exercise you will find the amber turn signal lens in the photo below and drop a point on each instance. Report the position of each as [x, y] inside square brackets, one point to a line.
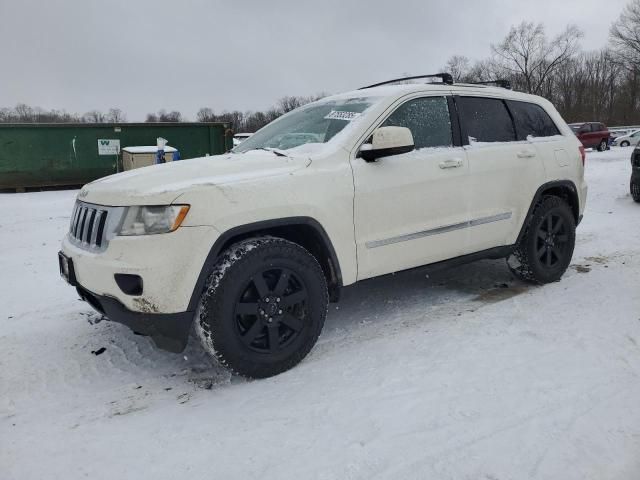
[180, 217]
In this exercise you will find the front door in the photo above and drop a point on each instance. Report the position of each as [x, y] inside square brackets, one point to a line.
[411, 209]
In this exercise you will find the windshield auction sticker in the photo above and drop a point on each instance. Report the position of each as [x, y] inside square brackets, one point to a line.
[339, 115]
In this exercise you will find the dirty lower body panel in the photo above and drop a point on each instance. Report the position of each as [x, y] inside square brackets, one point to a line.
[169, 331]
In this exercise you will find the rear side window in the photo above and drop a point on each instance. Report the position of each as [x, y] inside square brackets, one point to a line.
[427, 118]
[532, 119]
[486, 119]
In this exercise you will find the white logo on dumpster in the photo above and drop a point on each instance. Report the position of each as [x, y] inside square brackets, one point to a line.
[108, 146]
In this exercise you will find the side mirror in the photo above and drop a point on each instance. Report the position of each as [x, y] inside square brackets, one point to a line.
[387, 141]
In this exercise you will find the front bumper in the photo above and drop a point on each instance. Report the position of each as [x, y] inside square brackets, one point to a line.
[169, 331]
[169, 265]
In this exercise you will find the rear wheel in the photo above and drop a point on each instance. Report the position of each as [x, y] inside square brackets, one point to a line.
[264, 307]
[635, 191]
[602, 146]
[545, 250]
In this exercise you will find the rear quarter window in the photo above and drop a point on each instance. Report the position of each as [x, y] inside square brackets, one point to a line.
[485, 119]
[531, 119]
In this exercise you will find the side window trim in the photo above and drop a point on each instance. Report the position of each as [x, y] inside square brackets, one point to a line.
[454, 118]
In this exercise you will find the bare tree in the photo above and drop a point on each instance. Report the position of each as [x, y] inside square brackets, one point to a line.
[172, 116]
[164, 116]
[24, 113]
[624, 35]
[458, 66]
[94, 116]
[115, 115]
[288, 103]
[528, 55]
[205, 114]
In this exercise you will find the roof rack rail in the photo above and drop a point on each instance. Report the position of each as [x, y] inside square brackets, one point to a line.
[446, 78]
[502, 83]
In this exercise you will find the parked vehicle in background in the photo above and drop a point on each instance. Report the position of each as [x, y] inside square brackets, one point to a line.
[635, 174]
[627, 140]
[254, 245]
[592, 134]
[619, 133]
[238, 138]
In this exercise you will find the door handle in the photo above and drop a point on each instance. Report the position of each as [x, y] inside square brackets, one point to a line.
[450, 163]
[526, 154]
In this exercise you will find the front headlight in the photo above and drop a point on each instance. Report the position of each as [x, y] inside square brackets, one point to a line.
[151, 220]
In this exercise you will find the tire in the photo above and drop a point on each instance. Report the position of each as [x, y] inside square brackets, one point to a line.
[635, 192]
[545, 250]
[602, 146]
[264, 307]
[624, 144]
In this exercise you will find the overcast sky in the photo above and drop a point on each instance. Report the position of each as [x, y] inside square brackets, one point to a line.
[144, 55]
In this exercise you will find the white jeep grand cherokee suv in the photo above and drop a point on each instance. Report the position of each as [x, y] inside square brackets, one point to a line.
[254, 244]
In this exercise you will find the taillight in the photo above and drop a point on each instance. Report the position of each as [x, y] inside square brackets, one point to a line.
[583, 154]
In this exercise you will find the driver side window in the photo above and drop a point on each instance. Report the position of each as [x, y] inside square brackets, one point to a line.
[427, 118]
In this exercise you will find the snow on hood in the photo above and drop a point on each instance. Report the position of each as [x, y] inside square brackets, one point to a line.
[162, 184]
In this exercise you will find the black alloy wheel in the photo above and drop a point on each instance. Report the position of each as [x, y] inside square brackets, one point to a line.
[264, 306]
[552, 240]
[271, 310]
[544, 251]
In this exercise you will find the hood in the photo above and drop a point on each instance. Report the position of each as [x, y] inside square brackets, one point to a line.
[162, 184]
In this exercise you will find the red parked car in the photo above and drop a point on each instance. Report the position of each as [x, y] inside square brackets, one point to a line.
[592, 134]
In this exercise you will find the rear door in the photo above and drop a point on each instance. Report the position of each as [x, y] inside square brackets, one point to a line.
[585, 135]
[504, 172]
[595, 135]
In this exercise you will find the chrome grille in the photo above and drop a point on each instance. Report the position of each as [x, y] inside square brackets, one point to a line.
[89, 226]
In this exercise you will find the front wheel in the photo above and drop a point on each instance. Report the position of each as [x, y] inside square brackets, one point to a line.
[602, 146]
[544, 252]
[624, 143]
[264, 307]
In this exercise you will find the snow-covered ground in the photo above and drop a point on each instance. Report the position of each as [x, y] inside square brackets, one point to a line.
[467, 374]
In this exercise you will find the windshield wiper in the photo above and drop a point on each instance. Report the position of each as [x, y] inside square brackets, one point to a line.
[274, 150]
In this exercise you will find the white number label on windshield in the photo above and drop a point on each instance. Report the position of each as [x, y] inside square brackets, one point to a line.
[339, 115]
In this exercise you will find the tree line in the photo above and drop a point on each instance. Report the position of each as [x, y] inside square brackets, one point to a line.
[23, 113]
[600, 85]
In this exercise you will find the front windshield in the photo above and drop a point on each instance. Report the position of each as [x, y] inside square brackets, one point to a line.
[317, 122]
[575, 128]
